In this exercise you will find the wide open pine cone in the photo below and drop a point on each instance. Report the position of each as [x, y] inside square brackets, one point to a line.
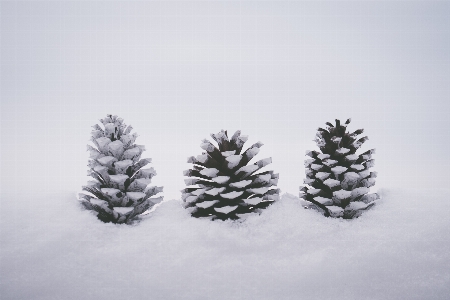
[337, 179]
[227, 185]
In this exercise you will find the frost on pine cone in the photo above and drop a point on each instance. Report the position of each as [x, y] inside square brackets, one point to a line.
[337, 179]
[119, 192]
[227, 186]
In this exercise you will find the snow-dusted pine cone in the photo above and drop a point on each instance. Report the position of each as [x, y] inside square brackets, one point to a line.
[337, 179]
[227, 186]
[119, 192]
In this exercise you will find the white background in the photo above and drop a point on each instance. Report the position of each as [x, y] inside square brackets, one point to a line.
[178, 71]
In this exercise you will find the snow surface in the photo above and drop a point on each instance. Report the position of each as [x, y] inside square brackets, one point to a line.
[51, 249]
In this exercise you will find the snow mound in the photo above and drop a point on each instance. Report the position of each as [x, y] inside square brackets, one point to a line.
[399, 249]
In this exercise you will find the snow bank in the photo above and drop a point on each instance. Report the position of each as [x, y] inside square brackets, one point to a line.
[51, 249]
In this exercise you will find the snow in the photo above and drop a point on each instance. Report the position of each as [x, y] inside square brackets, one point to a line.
[309, 161]
[323, 200]
[233, 160]
[330, 162]
[215, 191]
[359, 192]
[147, 173]
[309, 153]
[123, 210]
[247, 169]
[139, 184]
[400, 247]
[209, 172]
[231, 195]
[96, 134]
[352, 157]
[221, 179]
[356, 205]
[314, 191]
[332, 182]
[98, 202]
[228, 153]
[259, 191]
[342, 150]
[370, 163]
[241, 184]
[122, 165]
[351, 176]
[322, 156]
[264, 162]
[116, 148]
[336, 140]
[191, 198]
[201, 158]
[109, 191]
[207, 146]
[107, 160]
[100, 169]
[128, 139]
[135, 196]
[198, 192]
[316, 167]
[340, 195]
[253, 151]
[357, 167]
[225, 209]
[369, 198]
[338, 170]
[368, 182]
[103, 143]
[336, 211]
[206, 204]
[119, 180]
[265, 177]
[308, 180]
[253, 201]
[241, 139]
[350, 179]
[322, 175]
[132, 153]
[364, 174]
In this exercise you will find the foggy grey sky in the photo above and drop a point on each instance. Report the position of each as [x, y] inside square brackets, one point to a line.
[178, 71]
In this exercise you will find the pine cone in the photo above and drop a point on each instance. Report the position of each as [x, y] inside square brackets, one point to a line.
[337, 179]
[119, 190]
[228, 187]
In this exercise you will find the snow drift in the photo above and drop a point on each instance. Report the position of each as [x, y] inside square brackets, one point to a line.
[51, 249]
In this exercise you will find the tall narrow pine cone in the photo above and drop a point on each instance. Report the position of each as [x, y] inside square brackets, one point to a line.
[337, 179]
[119, 192]
[228, 186]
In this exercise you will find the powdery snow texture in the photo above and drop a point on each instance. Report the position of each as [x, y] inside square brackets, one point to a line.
[400, 249]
